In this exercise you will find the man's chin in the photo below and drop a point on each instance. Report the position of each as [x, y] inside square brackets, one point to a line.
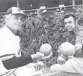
[18, 33]
[70, 29]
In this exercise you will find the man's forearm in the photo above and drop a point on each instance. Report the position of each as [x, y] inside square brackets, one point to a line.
[16, 62]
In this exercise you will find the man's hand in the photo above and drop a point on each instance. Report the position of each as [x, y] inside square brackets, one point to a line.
[48, 57]
[39, 65]
[61, 60]
[78, 47]
[38, 56]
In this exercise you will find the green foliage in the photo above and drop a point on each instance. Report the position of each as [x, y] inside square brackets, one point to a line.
[45, 28]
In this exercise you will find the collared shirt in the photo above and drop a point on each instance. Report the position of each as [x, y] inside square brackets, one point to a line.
[79, 39]
[79, 34]
[9, 43]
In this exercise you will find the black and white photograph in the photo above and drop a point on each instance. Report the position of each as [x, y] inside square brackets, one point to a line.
[41, 37]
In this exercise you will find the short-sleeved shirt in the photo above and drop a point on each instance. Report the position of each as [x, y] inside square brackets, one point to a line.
[79, 39]
[9, 44]
[79, 34]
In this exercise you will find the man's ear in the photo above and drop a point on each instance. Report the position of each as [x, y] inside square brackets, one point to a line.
[7, 17]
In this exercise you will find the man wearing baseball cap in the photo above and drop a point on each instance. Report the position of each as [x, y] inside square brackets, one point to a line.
[10, 42]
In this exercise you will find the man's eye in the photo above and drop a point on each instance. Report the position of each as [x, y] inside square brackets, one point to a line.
[65, 23]
[17, 17]
[70, 21]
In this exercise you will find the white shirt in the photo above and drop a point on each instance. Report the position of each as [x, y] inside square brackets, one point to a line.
[9, 44]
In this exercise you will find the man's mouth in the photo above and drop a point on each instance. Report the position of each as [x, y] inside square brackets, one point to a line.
[69, 28]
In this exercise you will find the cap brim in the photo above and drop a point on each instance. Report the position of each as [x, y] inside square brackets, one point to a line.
[20, 14]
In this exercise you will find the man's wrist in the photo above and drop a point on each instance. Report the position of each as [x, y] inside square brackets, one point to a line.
[33, 56]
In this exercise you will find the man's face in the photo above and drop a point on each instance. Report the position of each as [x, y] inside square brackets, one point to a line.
[15, 22]
[70, 23]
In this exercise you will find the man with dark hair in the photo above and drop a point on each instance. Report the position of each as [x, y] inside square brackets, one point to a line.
[71, 24]
[73, 64]
[68, 15]
[9, 42]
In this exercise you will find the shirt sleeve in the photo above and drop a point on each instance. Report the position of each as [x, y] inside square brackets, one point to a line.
[79, 39]
[79, 35]
[16, 62]
[3, 70]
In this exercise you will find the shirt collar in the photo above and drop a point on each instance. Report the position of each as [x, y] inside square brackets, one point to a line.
[76, 28]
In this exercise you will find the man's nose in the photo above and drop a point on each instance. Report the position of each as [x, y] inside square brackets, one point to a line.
[68, 25]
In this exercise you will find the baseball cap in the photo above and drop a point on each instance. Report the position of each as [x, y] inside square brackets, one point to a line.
[16, 11]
